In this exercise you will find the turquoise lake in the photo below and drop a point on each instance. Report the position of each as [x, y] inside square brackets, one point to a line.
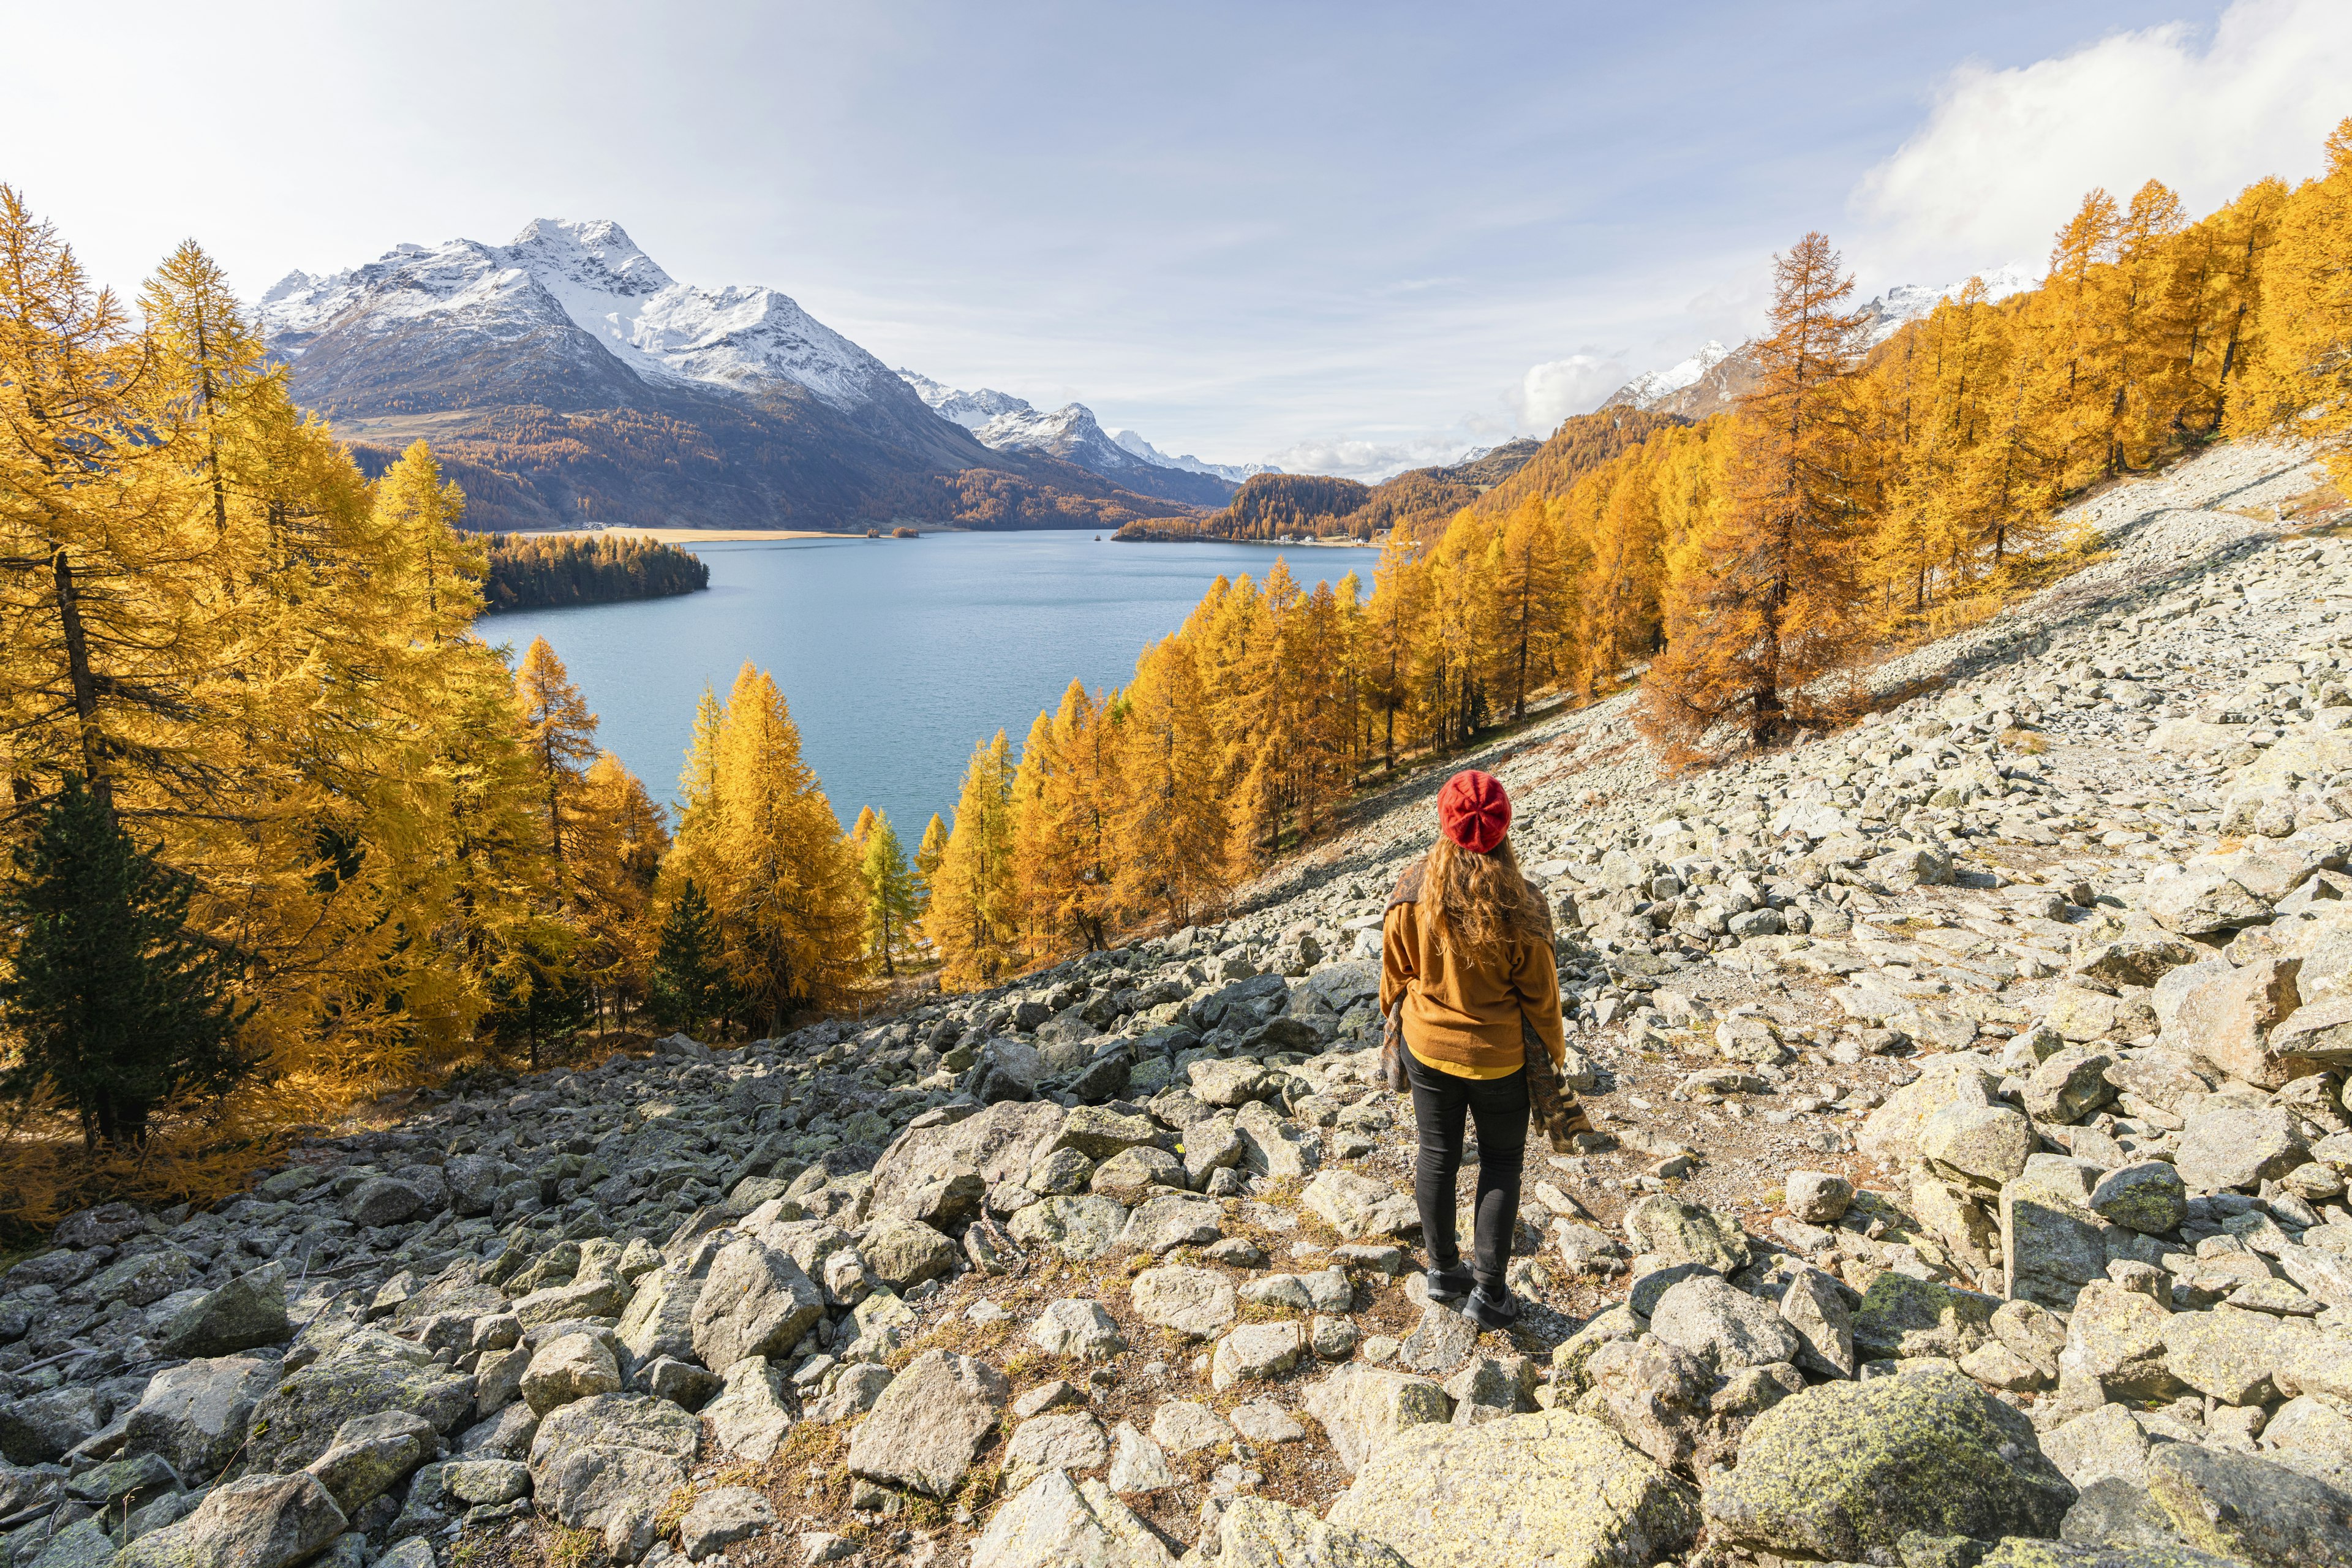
[896, 655]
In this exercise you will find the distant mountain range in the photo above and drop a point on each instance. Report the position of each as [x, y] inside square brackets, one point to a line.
[566, 378]
[1277, 507]
[1003, 423]
[1714, 378]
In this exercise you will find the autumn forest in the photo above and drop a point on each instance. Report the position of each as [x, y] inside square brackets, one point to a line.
[283, 830]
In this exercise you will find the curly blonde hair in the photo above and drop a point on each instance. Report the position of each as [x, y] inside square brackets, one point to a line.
[1481, 900]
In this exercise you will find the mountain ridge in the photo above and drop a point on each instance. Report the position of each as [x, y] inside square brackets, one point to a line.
[571, 378]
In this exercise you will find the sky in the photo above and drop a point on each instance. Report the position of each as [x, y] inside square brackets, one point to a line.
[1338, 237]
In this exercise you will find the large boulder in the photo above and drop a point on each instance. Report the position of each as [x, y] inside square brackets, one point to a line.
[372, 1453]
[1079, 1228]
[567, 1368]
[610, 1463]
[1259, 1532]
[2203, 900]
[195, 1415]
[259, 1521]
[1677, 1232]
[1982, 1145]
[247, 1313]
[2226, 1020]
[659, 1320]
[929, 1425]
[1901, 1317]
[1363, 1407]
[903, 1253]
[2052, 1242]
[756, 1302]
[297, 1421]
[1725, 1327]
[749, 1414]
[2239, 1145]
[2249, 1510]
[1070, 1440]
[1359, 1208]
[1556, 1490]
[1055, 1523]
[2148, 1198]
[1843, 1471]
[1196, 1302]
[996, 1142]
[2118, 1337]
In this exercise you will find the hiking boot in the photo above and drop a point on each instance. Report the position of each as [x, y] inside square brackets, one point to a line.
[1451, 1283]
[1498, 1310]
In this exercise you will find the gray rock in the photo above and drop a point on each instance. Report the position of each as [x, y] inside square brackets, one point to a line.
[1181, 1427]
[750, 1415]
[372, 1453]
[2052, 1242]
[1555, 1488]
[1079, 1228]
[1817, 1197]
[1984, 1145]
[1843, 1471]
[2148, 1198]
[929, 1425]
[1359, 1208]
[40, 1430]
[995, 1143]
[721, 1517]
[1079, 1328]
[659, 1320]
[904, 1253]
[566, 1368]
[486, 1483]
[1652, 1393]
[259, 1521]
[247, 1313]
[1054, 1522]
[1901, 1317]
[1070, 1441]
[1727, 1328]
[1440, 1342]
[2237, 1146]
[381, 1200]
[1259, 1532]
[1361, 1408]
[1196, 1303]
[194, 1415]
[2198, 902]
[1814, 1305]
[1676, 1232]
[2069, 1086]
[1161, 1225]
[2105, 1444]
[1136, 1465]
[610, 1463]
[1132, 1174]
[756, 1302]
[852, 1391]
[2116, 1336]
[297, 1421]
[2249, 1510]
[1256, 1351]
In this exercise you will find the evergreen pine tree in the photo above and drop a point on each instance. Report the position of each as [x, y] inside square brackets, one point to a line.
[687, 988]
[115, 1002]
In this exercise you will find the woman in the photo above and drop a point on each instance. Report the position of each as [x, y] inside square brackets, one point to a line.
[1466, 948]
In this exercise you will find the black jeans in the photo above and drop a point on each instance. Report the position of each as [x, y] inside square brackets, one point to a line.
[1499, 1107]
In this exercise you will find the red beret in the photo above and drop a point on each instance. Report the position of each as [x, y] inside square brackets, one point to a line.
[1472, 810]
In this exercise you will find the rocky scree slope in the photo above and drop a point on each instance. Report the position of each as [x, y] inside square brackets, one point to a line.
[1970, 1190]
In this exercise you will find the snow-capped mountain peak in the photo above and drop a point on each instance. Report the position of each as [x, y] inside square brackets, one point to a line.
[970, 409]
[591, 276]
[1233, 473]
[1004, 423]
[1648, 390]
[1915, 301]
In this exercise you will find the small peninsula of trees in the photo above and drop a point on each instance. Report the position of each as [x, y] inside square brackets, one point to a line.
[539, 571]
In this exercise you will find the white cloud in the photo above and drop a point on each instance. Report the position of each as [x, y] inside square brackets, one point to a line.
[2005, 157]
[1550, 392]
[1370, 461]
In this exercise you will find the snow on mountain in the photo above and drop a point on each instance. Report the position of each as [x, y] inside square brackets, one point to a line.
[591, 276]
[1707, 381]
[1232, 473]
[1913, 301]
[1650, 390]
[970, 409]
[1005, 423]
